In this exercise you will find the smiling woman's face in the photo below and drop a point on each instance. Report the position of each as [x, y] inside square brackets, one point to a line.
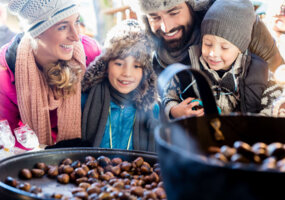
[57, 42]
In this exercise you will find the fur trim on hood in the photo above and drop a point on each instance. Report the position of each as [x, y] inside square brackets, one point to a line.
[126, 39]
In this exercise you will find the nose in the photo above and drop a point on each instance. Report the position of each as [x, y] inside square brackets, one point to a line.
[165, 25]
[127, 71]
[74, 33]
[214, 52]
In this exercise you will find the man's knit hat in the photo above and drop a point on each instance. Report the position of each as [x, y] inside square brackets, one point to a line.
[41, 14]
[149, 6]
[232, 20]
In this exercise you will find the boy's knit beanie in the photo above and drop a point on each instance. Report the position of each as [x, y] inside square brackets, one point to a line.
[232, 20]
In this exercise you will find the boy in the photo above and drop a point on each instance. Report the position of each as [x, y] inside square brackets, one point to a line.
[121, 85]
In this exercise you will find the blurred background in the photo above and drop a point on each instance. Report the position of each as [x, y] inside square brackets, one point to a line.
[98, 16]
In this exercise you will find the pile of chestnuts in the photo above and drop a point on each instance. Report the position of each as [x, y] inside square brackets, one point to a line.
[259, 155]
[101, 178]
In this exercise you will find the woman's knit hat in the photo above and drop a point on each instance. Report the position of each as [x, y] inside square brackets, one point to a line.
[232, 20]
[41, 14]
[127, 38]
[149, 6]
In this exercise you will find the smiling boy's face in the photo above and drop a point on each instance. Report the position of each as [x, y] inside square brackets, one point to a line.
[125, 74]
[219, 53]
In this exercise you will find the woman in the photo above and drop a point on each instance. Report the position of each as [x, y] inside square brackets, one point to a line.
[41, 70]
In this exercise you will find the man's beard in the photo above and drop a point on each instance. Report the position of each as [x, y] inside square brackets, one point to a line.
[175, 44]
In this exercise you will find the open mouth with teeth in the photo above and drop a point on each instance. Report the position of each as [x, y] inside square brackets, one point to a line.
[67, 47]
[172, 34]
[125, 83]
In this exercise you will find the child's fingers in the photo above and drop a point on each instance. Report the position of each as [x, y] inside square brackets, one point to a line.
[197, 113]
[188, 100]
[200, 112]
[193, 104]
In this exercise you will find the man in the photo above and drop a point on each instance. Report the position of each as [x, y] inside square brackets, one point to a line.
[175, 26]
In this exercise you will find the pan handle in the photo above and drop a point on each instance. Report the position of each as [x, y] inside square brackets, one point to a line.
[209, 103]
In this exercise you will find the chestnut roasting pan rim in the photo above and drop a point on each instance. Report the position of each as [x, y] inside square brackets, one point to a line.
[53, 156]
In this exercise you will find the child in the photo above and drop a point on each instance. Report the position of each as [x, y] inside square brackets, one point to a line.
[239, 79]
[121, 84]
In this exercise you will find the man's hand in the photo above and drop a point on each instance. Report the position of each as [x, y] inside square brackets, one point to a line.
[185, 109]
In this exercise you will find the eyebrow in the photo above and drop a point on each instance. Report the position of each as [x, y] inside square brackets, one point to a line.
[174, 8]
[60, 23]
[168, 11]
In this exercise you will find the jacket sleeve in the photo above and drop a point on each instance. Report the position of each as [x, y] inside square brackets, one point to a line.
[171, 96]
[91, 47]
[263, 45]
[8, 105]
[269, 97]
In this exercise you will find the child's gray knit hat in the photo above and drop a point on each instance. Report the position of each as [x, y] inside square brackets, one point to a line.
[232, 20]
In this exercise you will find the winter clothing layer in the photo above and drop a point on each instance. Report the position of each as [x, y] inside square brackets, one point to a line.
[119, 125]
[8, 95]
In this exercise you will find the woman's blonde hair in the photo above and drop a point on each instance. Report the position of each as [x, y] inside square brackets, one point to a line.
[61, 77]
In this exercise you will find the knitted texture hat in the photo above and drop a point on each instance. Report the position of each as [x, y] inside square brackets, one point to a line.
[41, 14]
[232, 20]
[149, 6]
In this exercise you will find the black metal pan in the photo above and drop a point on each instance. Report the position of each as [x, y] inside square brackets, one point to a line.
[12, 165]
[182, 142]
[215, 129]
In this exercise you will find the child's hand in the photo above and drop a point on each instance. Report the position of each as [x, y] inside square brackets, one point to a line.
[185, 109]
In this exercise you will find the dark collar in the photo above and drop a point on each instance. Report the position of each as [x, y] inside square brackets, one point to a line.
[11, 53]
